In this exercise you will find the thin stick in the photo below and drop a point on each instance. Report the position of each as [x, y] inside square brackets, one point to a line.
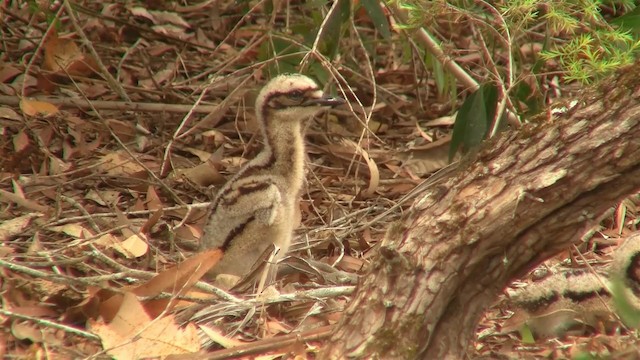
[115, 86]
[84, 104]
[51, 324]
[261, 346]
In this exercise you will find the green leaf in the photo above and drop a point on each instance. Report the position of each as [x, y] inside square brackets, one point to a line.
[629, 21]
[376, 13]
[526, 335]
[474, 119]
[331, 32]
[286, 53]
[624, 307]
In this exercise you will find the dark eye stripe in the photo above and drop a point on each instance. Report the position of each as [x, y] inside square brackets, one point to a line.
[277, 102]
[280, 100]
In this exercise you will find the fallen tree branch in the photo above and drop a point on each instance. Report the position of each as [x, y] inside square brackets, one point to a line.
[527, 195]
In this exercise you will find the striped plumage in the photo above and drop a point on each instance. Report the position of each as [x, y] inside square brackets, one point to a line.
[256, 207]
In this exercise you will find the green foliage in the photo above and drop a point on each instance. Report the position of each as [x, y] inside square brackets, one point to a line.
[42, 7]
[629, 21]
[445, 82]
[319, 32]
[527, 335]
[521, 42]
[376, 13]
[577, 35]
[625, 309]
[474, 119]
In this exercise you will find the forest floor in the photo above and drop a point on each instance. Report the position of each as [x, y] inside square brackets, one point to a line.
[105, 180]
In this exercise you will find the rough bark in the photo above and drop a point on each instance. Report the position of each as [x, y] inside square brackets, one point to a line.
[527, 195]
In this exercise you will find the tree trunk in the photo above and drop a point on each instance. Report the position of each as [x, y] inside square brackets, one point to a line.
[526, 196]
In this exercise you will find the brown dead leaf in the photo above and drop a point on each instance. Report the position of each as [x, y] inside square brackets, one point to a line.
[8, 113]
[63, 56]
[108, 307]
[426, 159]
[172, 30]
[153, 220]
[133, 334]
[204, 174]
[59, 54]
[441, 121]
[120, 164]
[35, 107]
[159, 49]
[181, 277]
[177, 280]
[39, 310]
[153, 200]
[74, 230]
[8, 72]
[161, 77]
[15, 226]
[106, 240]
[166, 17]
[126, 131]
[34, 333]
[189, 232]
[103, 197]
[134, 246]
[218, 337]
[374, 173]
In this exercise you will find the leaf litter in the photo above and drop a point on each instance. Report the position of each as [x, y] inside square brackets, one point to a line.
[100, 251]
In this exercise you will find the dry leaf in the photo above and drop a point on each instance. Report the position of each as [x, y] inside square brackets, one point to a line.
[153, 200]
[15, 226]
[35, 107]
[204, 174]
[125, 130]
[142, 12]
[120, 164]
[103, 197]
[219, 338]
[165, 17]
[153, 220]
[182, 276]
[8, 72]
[133, 334]
[7, 113]
[107, 240]
[63, 56]
[59, 54]
[32, 332]
[426, 159]
[134, 246]
[374, 177]
[75, 230]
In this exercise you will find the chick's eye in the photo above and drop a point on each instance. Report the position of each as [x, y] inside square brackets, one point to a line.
[296, 95]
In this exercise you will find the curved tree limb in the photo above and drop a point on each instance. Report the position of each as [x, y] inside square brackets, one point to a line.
[527, 195]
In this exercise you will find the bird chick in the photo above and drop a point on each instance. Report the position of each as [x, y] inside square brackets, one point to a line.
[257, 206]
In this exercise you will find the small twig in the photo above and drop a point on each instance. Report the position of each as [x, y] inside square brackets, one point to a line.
[433, 47]
[81, 208]
[261, 346]
[178, 133]
[431, 44]
[51, 324]
[313, 294]
[115, 86]
[84, 104]
[203, 205]
[131, 275]
[6, 196]
[50, 30]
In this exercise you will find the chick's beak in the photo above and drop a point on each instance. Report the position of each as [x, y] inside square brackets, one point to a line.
[327, 100]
